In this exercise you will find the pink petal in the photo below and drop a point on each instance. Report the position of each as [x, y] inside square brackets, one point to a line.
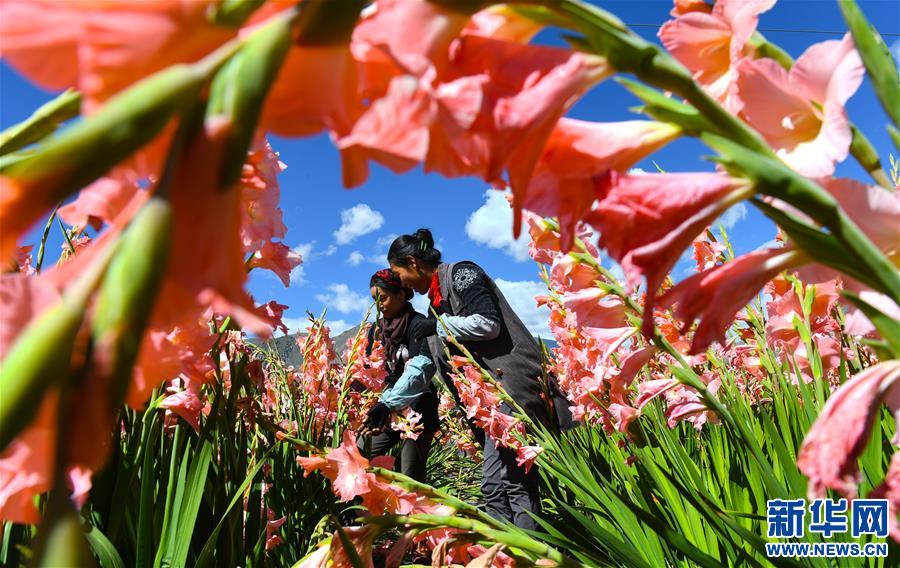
[716, 295]
[839, 435]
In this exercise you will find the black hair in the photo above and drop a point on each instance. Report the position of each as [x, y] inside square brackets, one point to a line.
[420, 246]
[388, 281]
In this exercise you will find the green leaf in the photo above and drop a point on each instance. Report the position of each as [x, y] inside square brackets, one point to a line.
[668, 109]
[193, 496]
[106, 553]
[207, 551]
[42, 122]
[145, 537]
[876, 57]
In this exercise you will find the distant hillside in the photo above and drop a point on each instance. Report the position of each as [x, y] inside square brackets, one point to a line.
[287, 349]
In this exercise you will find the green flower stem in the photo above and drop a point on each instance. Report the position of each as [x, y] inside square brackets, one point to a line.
[44, 121]
[438, 495]
[513, 539]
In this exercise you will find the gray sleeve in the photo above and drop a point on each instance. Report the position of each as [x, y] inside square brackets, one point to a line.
[469, 328]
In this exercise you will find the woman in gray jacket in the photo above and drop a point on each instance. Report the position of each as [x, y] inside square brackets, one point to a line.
[475, 312]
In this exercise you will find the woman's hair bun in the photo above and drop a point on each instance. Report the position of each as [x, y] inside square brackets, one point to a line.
[424, 237]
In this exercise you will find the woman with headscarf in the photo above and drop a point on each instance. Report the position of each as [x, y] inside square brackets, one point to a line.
[477, 314]
[408, 382]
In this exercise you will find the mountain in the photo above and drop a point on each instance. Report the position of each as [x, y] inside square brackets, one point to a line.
[287, 349]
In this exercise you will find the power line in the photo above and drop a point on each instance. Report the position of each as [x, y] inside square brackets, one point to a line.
[778, 30]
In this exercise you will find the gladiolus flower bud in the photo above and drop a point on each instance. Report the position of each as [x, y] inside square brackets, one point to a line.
[42, 353]
[128, 291]
[239, 89]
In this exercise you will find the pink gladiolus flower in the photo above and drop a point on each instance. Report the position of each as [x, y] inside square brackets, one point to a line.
[546, 244]
[716, 295]
[712, 44]
[570, 274]
[274, 312]
[100, 46]
[707, 253]
[208, 271]
[316, 89]
[525, 456]
[361, 538]
[502, 22]
[100, 202]
[415, 33]
[647, 220]
[376, 136]
[839, 435]
[277, 257]
[185, 402]
[801, 112]
[622, 416]
[783, 337]
[682, 402]
[26, 466]
[261, 217]
[272, 526]
[593, 307]
[345, 467]
[576, 154]
[22, 261]
[408, 423]
[876, 211]
[687, 6]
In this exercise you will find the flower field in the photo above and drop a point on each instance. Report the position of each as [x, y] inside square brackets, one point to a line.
[145, 420]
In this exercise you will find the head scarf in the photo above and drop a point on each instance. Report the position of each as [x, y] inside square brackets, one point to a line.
[393, 331]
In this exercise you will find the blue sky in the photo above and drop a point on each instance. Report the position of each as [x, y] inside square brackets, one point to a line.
[344, 235]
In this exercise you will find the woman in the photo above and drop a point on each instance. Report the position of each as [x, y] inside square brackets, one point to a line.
[476, 313]
[408, 382]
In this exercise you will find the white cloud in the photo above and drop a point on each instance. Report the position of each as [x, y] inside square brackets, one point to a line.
[337, 327]
[734, 215]
[357, 221]
[296, 324]
[386, 240]
[491, 225]
[379, 259]
[356, 258]
[298, 275]
[305, 250]
[344, 300]
[520, 296]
